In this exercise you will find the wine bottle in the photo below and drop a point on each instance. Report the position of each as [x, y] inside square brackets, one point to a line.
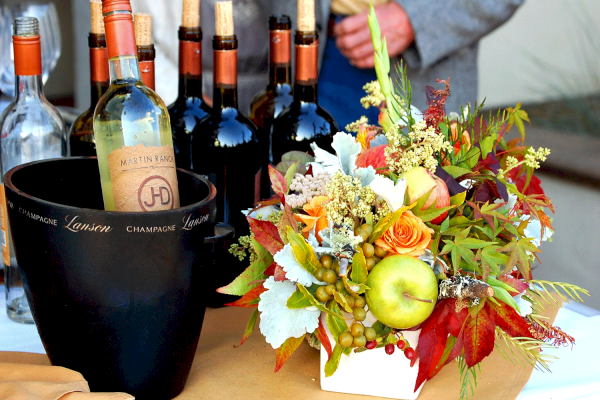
[304, 122]
[132, 129]
[142, 23]
[189, 107]
[81, 136]
[277, 96]
[225, 150]
[30, 129]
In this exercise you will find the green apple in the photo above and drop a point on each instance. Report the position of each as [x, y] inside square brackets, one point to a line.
[403, 291]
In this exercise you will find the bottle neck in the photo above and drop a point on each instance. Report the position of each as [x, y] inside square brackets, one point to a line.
[28, 87]
[225, 72]
[99, 75]
[307, 53]
[120, 43]
[280, 69]
[146, 55]
[190, 63]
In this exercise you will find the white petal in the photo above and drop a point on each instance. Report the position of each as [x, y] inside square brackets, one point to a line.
[279, 323]
[392, 194]
[293, 270]
[366, 175]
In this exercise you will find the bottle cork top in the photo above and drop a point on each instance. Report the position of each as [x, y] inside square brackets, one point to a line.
[143, 29]
[224, 18]
[97, 18]
[306, 15]
[191, 14]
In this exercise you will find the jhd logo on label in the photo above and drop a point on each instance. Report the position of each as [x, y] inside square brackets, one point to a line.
[155, 193]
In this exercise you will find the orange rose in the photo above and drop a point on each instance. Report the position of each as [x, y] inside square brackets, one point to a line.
[317, 216]
[408, 235]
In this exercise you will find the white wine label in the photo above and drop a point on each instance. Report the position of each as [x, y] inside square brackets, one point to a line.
[144, 178]
[4, 226]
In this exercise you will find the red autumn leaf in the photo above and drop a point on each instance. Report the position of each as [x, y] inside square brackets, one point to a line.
[275, 271]
[287, 219]
[278, 182]
[269, 202]
[509, 320]
[286, 350]
[323, 338]
[250, 299]
[266, 234]
[432, 339]
[480, 331]
[515, 283]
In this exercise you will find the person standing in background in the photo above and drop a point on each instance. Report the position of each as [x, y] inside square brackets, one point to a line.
[437, 39]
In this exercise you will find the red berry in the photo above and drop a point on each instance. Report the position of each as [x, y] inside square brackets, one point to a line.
[409, 352]
[371, 345]
[389, 348]
[401, 344]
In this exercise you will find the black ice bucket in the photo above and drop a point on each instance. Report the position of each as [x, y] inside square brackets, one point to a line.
[117, 296]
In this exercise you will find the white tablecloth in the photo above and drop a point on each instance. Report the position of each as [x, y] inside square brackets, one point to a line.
[575, 375]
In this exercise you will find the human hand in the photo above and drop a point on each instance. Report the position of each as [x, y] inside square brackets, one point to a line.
[353, 37]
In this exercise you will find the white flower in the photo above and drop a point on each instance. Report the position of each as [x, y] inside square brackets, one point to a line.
[467, 183]
[279, 323]
[392, 194]
[264, 212]
[510, 204]
[293, 270]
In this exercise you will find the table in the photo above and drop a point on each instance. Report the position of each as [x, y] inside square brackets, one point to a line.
[249, 370]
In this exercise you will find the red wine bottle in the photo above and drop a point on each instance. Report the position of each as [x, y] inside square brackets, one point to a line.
[277, 96]
[81, 136]
[189, 107]
[226, 147]
[305, 121]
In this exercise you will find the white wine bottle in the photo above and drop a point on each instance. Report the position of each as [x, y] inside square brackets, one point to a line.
[132, 128]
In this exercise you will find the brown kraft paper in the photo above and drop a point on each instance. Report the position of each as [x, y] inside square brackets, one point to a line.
[144, 178]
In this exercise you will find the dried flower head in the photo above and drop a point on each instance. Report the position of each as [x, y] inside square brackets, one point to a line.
[349, 199]
[306, 187]
[374, 96]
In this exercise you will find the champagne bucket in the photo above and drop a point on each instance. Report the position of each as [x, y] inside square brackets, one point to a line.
[117, 296]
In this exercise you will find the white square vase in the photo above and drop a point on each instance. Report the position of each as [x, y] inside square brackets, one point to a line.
[373, 372]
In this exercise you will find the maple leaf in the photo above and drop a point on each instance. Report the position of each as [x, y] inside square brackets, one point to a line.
[488, 212]
[323, 338]
[278, 182]
[287, 219]
[250, 299]
[433, 337]
[491, 260]
[509, 320]
[276, 272]
[479, 335]
[518, 256]
[266, 234]
[286, 350]
[462, 248]
[255, 272]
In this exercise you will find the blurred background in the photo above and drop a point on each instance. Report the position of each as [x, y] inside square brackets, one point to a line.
[547, 57]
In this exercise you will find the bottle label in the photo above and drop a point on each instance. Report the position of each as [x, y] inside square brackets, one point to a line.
[4, 227]
[99, 64]
[281, 43]
[190, 58]
[147, 70]
[307, 57]
[225, 64]
[144, 178]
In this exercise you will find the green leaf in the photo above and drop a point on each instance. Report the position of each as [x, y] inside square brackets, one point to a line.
[250, 326]
[505, 297]
[359, 268]
[315, 302]
[487, 145]
[445, 225]
[431, 212]
[255, 272]
[491, 258]
[455, 171]
[336, 325]
[518, 256]
[354, 288]
[341, 299]
[289, 174]
[299, 300]
[458, 199]
[303, 251]
[334, 361]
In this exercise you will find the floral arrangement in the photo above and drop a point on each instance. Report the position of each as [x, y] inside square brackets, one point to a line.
[426, 221]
